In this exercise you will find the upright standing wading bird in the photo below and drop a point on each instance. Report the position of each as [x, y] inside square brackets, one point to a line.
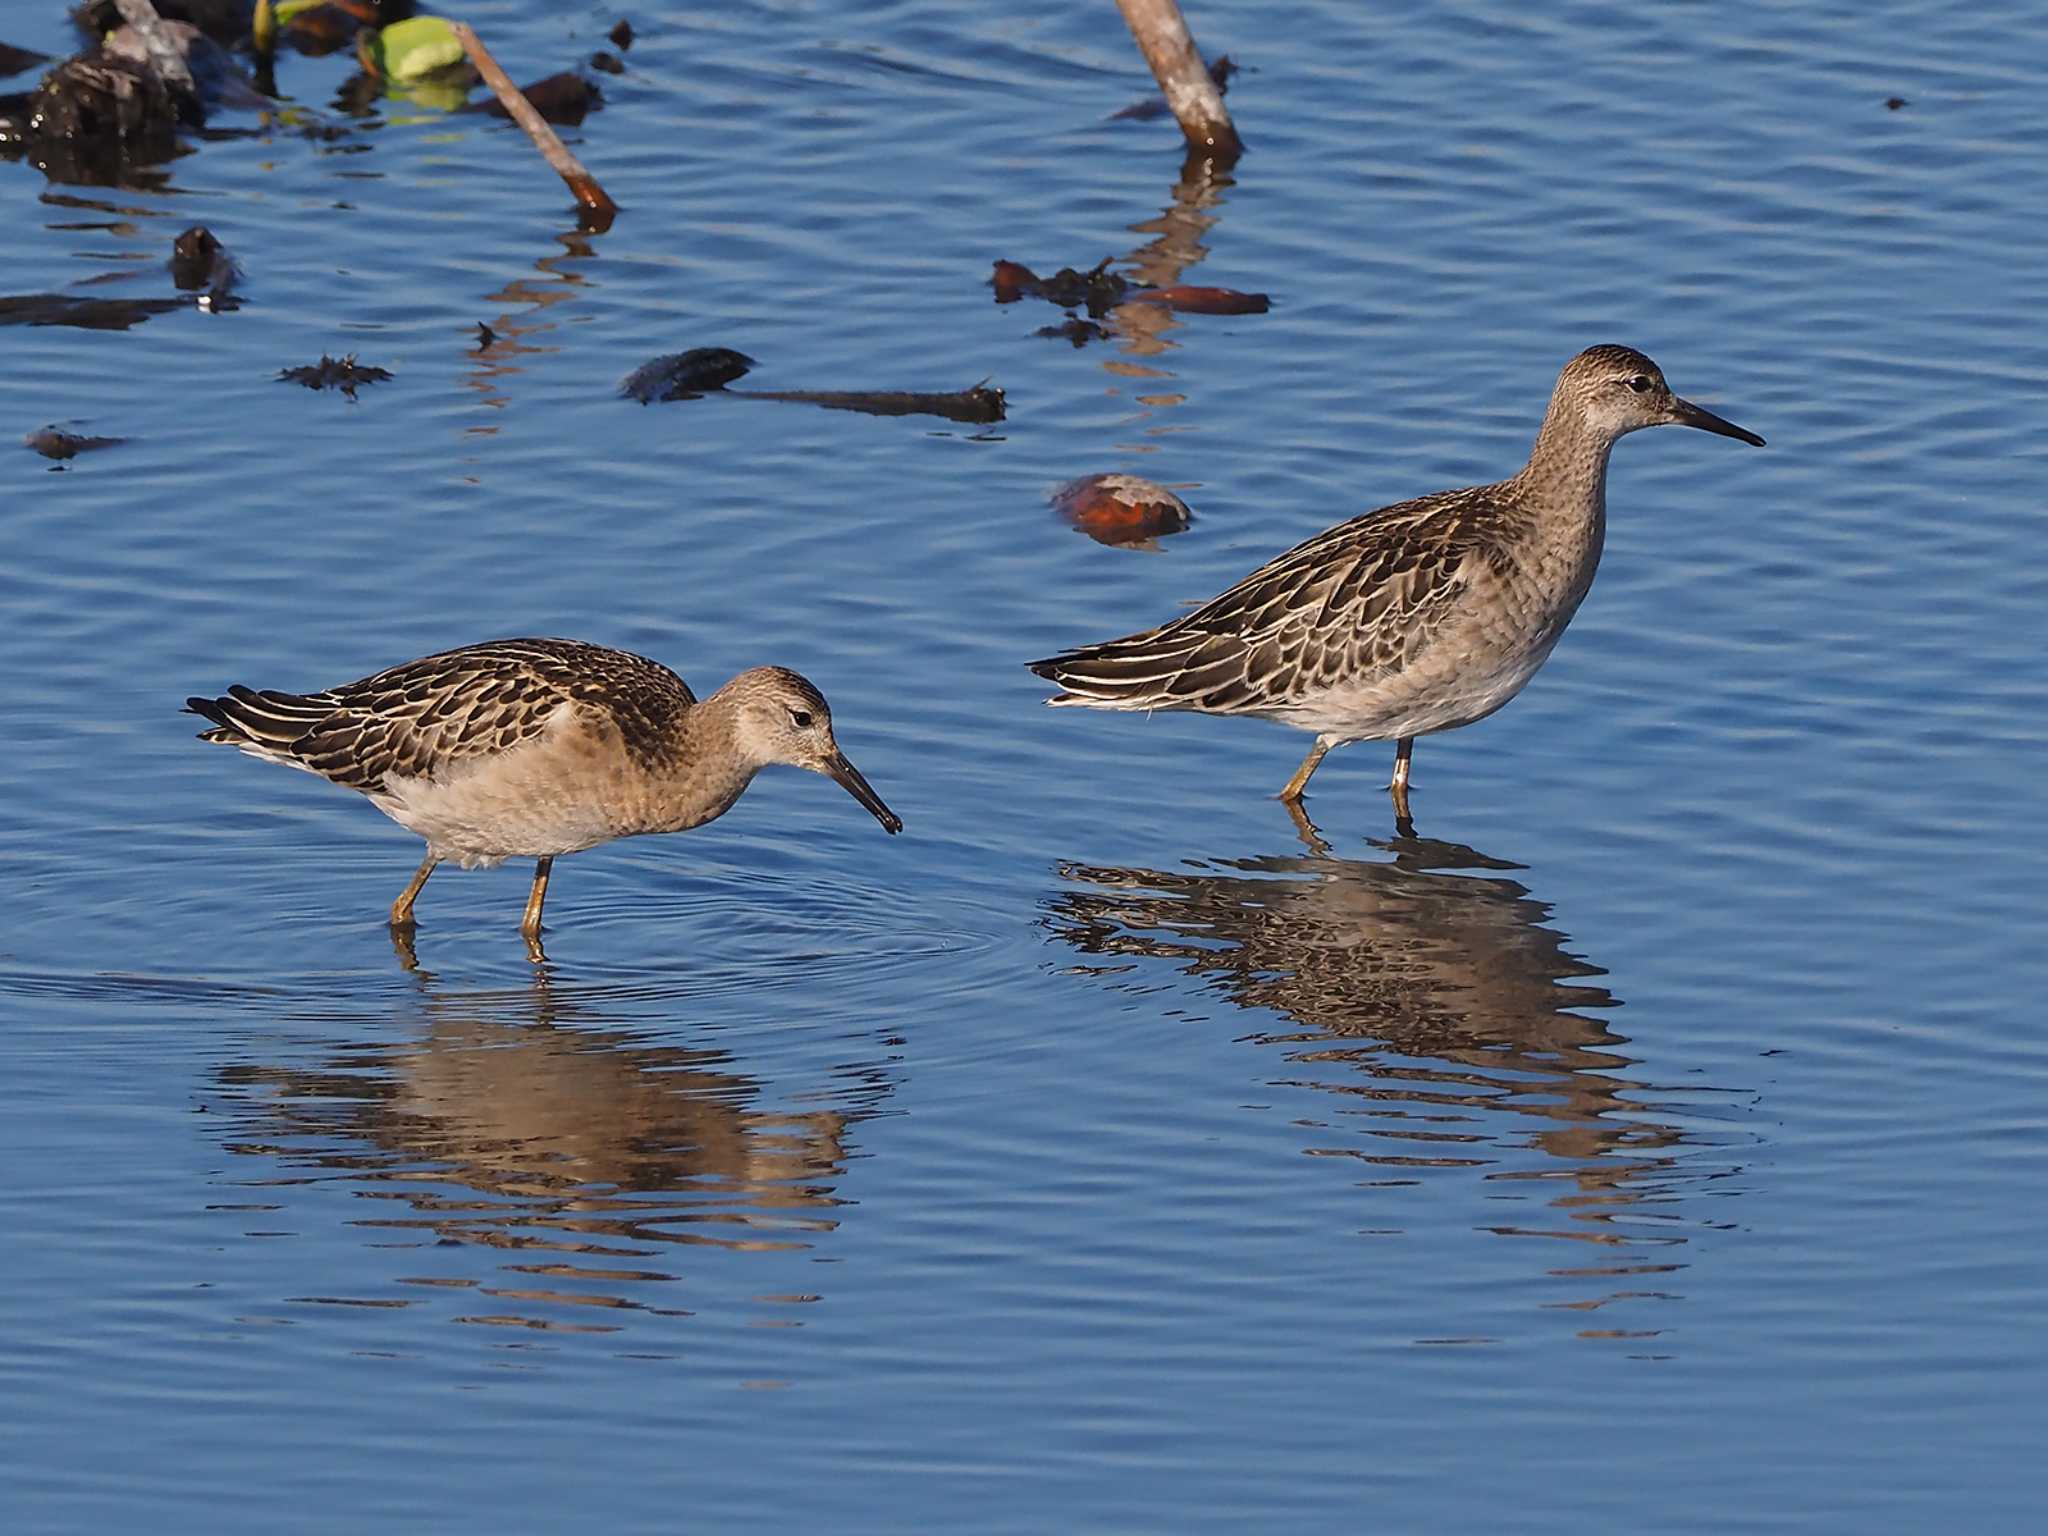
[1420, 617]
[536, 748]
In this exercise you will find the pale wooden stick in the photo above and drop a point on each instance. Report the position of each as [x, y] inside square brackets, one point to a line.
[545, 139]
[1176, 64]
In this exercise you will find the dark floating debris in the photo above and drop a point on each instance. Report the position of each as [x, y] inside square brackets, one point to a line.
[1099, 290]
[978, 406]
[484, 337]
[342, 373]
[1893, 103]
[1220, 70]
[1124, 510]
[200, 261]
[566, 98]
[685, 375]
[1193, 299]
[708, 370]
[55, 443]
[122, 103]
[608, 63]
[621, 35]
[1076, 330]
[86, 314]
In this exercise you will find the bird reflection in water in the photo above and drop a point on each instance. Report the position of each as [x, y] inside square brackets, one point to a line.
[528, 1121]
[1428, 993]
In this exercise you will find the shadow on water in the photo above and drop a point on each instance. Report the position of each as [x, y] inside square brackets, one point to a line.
[1431, 996]
[533, 1122]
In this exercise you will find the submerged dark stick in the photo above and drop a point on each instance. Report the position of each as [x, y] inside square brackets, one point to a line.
[978, 406]
[1197, 105]
[545, 139]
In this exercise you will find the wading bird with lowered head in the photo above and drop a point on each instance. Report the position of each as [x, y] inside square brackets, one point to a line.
[537, 748]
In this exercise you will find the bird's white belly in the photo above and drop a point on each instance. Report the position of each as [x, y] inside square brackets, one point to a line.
[508, 805]
[1448, 686]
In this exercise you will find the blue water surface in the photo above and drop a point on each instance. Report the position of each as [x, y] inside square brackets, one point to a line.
[1654, 1139]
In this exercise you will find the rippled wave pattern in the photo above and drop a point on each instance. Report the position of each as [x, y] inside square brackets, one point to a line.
[1650, 1136]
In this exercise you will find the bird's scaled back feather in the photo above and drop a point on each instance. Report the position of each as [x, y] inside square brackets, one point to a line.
[1354, 603]
[418, 718]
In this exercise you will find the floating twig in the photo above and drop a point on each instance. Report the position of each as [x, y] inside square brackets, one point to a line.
[599, 209]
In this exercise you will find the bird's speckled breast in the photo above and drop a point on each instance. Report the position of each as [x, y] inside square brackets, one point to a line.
[1508, 616]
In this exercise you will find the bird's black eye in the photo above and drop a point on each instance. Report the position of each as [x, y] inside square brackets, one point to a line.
[800, 718]
[1640, 384]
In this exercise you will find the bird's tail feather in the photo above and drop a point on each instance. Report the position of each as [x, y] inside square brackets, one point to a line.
[265, 722]
[1137, 672]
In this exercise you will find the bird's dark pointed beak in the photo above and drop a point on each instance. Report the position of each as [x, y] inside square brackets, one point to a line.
[1690, 415]
[848, 778]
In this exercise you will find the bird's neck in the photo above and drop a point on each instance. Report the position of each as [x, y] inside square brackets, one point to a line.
[1567, 468]
[704, 775]
[1563, 491]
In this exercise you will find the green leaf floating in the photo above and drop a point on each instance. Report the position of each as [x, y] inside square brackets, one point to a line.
[407, 50]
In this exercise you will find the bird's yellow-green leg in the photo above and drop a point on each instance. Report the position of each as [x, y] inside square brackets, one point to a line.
[1299, 782]
[530, 924]
[401, 909]
[1403, 751]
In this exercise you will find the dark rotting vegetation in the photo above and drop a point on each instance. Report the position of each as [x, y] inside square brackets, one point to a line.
[981, 405]
[200, 262]
[566, 98]
[685, 375]
[1099, 290]
[54, 442]
[146, 75]
[709, 370]
[85, 314]
[342, 373]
